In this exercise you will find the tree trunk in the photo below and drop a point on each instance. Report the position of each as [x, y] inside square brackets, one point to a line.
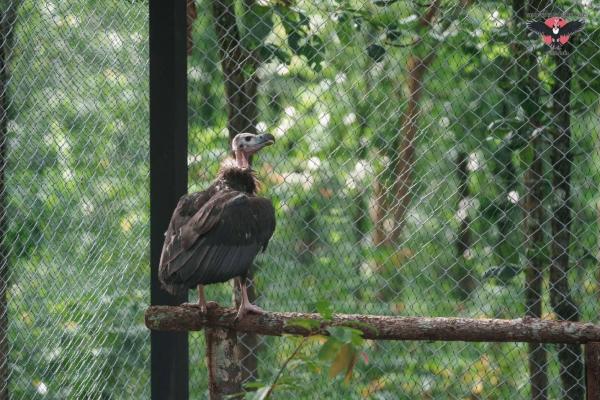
[224, 374]
[7, 23]
[534, 213]
[592, 363]
[241, 85]
[192, 14]
[404, 160]
[240, 90]
[534, 217]
[570, 356]
[461, 273]
[378, 213]
[392, 203]
[506, 250]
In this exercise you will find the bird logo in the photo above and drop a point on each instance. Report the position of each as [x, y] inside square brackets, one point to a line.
[556, 31]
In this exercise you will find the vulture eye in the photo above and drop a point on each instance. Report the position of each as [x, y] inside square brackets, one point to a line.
[247, 138]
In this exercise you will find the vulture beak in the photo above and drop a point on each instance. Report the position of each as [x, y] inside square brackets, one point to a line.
[266, 139]
[260, 141]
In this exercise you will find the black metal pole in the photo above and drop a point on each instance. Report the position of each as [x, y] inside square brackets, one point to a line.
[168, 179]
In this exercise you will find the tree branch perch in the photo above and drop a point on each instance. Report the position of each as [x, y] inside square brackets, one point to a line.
[171, 318]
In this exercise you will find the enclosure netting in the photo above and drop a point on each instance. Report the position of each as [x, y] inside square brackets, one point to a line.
[432, 158]
[77, 198]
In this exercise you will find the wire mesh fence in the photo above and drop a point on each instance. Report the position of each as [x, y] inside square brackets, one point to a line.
[433, 158]
[76, 197]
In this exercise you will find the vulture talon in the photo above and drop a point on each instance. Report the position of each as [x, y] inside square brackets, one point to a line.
[246, 309]
[202, 307]
[212, 304]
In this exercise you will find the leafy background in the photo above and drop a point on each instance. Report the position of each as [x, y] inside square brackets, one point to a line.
[333, 90]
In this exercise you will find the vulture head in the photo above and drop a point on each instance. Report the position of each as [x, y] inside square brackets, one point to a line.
[245, 145]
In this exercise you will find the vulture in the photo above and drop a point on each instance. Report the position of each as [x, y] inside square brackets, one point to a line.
[214, 235]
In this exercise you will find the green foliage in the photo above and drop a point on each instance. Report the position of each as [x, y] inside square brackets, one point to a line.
[78, 194]
[299, 38]
[376, 52]
[256, 23]
[338, 354]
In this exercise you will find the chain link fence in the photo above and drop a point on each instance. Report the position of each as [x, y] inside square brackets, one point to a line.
[76, 198]
[433, 158]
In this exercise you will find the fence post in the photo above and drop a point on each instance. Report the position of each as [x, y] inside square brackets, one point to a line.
[592, 370]
[168, 179]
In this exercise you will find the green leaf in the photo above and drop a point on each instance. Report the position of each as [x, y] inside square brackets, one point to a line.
[325, 309]
[304, 323]
[262, 393]
[257, 23]
[343, 29]
[293, 40]
[313, 53]
[393, 33]
[344, 361]
[344, 334]
[384, 3]
[503, 273]
[376, 52]
[329, 349]
[303, 20]
[268, 51]
[254, 385]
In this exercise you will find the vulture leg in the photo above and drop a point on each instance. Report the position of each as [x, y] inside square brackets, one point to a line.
[202, 303]
[201, 299]
[246, 306]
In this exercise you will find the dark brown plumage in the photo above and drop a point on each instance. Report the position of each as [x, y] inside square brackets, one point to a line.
[214, 235]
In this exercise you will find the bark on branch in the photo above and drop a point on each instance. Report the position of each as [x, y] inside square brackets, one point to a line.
[374, 327]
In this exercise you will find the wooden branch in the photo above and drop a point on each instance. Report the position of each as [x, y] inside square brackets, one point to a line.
[189, 318]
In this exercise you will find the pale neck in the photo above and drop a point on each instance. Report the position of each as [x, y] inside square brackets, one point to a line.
[241, 160]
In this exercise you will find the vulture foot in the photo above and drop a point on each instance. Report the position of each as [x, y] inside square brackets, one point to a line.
[203, 307]
[248, 308]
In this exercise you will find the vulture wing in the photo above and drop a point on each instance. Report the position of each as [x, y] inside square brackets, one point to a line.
[187, 207]
[219, 241]
[539, 27]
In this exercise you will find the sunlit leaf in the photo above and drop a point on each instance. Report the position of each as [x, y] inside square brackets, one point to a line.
[324, 308]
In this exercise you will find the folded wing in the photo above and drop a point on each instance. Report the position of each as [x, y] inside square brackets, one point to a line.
[218, 242]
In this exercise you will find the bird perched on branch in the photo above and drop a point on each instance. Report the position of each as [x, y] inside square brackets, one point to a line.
[214, 235]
